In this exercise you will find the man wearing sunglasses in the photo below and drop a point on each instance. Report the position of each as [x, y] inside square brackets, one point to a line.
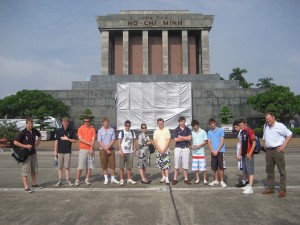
[86, 135]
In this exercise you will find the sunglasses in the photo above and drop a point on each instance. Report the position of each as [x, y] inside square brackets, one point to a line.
[86, 121]
[127, 125]
[144, 127]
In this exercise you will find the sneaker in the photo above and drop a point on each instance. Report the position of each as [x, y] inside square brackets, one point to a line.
[197, 181]
[59, 183]
[69, 183]
[106, 181]
[162, 180]
[174, 182]
[205, 182]
[28, 190]
[244, 188]
[241, 184]
[36, 186]
[87, 182]
[223, 184]
[76, 182]
[167, 181]
[248, 190]
[215, 182]
[115, 181]
[187, 181]
[121, 182]
[131, 181]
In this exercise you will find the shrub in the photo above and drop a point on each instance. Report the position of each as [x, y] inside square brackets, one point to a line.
[8, 130]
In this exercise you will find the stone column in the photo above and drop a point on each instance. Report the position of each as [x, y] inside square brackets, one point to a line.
[185, 52]
[145, 52]
[205, 65]
[125, 52]
[165, 50]
[105, 53]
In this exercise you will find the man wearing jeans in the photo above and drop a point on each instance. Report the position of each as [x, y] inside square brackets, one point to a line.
[182, 137]
[276, 137]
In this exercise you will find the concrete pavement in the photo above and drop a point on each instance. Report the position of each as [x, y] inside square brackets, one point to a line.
[147, 204]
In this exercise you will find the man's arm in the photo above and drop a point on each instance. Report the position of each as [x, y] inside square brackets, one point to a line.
[55, 147]
[19, 144]
[287, 140]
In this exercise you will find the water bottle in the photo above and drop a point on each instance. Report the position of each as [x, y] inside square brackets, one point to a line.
[56, 162]
[90, 162]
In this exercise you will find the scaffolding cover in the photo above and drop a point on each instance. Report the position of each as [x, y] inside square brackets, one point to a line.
[146, 102]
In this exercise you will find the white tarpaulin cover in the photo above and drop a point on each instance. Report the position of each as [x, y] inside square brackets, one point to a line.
[146, 102]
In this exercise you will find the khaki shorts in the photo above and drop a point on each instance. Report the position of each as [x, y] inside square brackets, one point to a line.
[106, 159]
[181, 156]
[83, 160]
[64, 160]
[128, 160]
[29, 167]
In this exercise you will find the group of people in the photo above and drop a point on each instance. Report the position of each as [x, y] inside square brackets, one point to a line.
[276, 137]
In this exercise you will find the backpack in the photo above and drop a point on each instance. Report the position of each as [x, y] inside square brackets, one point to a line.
[20, 154]
[122, 134]
[258, 146]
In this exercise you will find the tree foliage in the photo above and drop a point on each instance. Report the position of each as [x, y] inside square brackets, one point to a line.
[27, 102]
[278, 99]
[265, 82]
[225, 115]
[237, 74]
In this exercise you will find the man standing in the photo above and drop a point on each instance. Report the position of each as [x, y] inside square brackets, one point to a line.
[182, 137]
[161, 139]
[127, 148]
[106, 140]
[246, 155]
[217, 148]
[276, 137]
[27, 139]
[86, 136]
[64, 138]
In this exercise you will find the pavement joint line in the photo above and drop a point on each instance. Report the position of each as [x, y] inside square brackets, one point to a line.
[136, 189]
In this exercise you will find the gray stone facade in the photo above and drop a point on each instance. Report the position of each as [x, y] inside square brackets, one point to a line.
[209, 94]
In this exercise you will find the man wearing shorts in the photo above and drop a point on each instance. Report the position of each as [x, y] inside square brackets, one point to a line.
[161, 139]
[182, 137]
[127, 148]
[246, 154]
[86, 136]
[64, 137]
[106, 140]
[27, 139]
[199, 140]
[217, 148]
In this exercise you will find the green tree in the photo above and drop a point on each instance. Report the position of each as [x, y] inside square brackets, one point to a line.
[225, 115]
[247, 85]
[265, 82]
[280, 100]
[26, 103]
[237, 74]
[87, 113]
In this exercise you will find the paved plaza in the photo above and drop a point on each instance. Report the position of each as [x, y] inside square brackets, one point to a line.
[147, 204]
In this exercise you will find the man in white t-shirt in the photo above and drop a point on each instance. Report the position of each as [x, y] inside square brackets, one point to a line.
[127, 148]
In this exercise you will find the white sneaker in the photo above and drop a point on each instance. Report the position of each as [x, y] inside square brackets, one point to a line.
[59, 183]
[131, 181]
[215, 182]
[121, 182]
[205, 182]
[223, 184]
[249, 190]
[115, 181]
[106, 181]
[76, 182]
[69, 183]
[87, 182]
[244, 188]
[163, 180]
[167, 181]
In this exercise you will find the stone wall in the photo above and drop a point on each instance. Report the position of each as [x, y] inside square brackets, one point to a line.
[209, 94]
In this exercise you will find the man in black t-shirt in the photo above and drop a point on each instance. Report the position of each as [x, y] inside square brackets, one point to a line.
[64, 138]
[27, 139]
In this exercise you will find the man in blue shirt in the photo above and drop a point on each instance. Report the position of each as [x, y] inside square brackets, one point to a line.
[182, 137]
[217, 148]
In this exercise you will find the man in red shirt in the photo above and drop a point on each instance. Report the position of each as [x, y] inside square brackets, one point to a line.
[246, 154]
[86, 135]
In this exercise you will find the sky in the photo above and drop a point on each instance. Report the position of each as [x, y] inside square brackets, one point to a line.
[48, 44]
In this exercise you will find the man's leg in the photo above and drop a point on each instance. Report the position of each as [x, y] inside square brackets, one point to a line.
[221, 172]
[270, 165]
[280, 163]
[25, 182]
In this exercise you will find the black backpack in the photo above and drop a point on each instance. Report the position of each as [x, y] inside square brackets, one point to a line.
[258, 146]
[20, 154]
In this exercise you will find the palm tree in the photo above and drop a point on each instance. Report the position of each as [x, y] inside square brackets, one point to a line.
[237, 74]
[265, 82]
[247, 85]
